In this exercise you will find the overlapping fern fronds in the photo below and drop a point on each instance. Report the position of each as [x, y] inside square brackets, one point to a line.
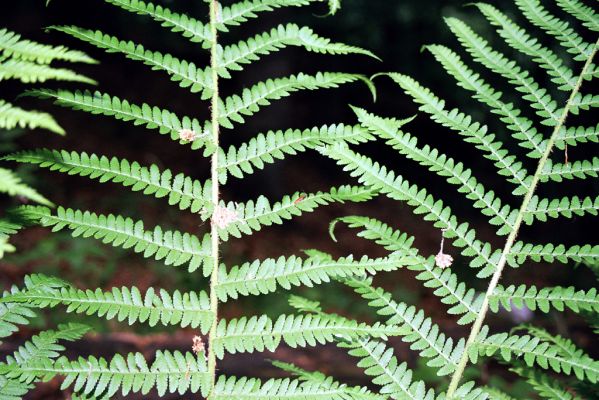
[540, 124]
[195, 370]
[29, 62]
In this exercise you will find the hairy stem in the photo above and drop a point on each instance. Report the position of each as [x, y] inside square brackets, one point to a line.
[478, 323]
[215, 247]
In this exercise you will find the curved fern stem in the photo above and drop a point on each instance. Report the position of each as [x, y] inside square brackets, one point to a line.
[476, 327]
[214, 7]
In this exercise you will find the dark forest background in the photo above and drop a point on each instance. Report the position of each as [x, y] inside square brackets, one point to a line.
[395, 30]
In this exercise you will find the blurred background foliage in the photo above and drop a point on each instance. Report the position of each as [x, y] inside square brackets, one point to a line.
[395, 30]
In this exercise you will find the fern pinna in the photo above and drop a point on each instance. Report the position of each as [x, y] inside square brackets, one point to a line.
[541, 123]
[196, 369]
[28, 62]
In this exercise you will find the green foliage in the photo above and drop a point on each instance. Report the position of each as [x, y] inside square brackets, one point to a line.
[29, 62]
[539, 122]
[194, 370]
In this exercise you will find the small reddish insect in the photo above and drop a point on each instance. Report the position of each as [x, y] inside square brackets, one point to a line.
[300, 199]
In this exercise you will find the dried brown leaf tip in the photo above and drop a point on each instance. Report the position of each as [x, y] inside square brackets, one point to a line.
[198, 345]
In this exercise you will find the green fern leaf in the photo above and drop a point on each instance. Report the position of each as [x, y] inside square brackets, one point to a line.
[578, 169]
[179, 189]
[395, 379]
[13, 314]
[549, 252]
[547, 387]
[483, 53]
[127, 304]
[575, 135]
[542, 209]
[423, 335]
[11, 117]
[561, 30]
[29, 72]
[517, 38]
[235, 107]
[512, 117]
[12, 389]
[171, 372]
[586, 14]
[266, 276]
[242, 11]
[261, 333]
[43, 346]
[356, 392]
[381, 233]
[190, 28]
[251, 216]
[12, 185]
[266, 148]
[455, 172]
[463, 124]
[167, 122]
[565, 346]
[181, 71]
[250, 50]
[397, 188]
[544, 299]
[172, 247]
[12, 46]
[534, 352]
[233, 388]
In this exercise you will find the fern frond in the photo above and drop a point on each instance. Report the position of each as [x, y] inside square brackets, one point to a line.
[396, 187]
[578, 169]
[13, 186]
[253, 215]
[247, 51]
[261, 333]
[180, 190]
[266, 276]
[523, 128]
[395, 379]
[378, 231]
[575, 135]
[172, 247]
[561, 30]
[544, 299]
[266, 148]
[171, 372]
[29, 72]
[463, 124]
[190, 309]
[185, 73]
[44, 345]
[495, 394]
[584, 13]
[566, 346]
[549, 252]
[233, 388]
[243, 10]
[480, 50]
[190, 28]
[547, 387]
[11, 389]
[519, 39]
[11, 117]
[533, 351]
[152, 117]
[12, 46]
[455, 172]
[315, 377]
[542, 209]
[13, 314]
[235, 108]
[423, 335]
